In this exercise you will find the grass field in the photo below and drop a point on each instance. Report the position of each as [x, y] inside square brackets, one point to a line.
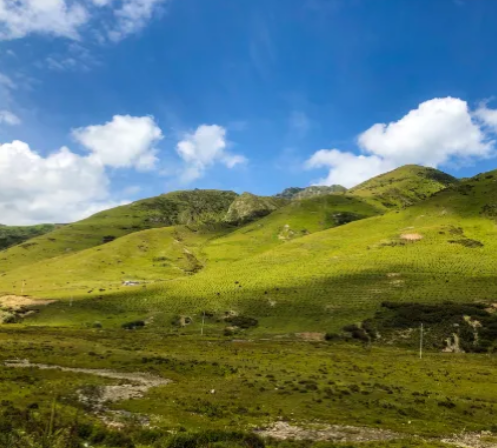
[244, 385]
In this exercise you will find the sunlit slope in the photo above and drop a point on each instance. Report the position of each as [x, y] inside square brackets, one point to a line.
[141, 257]
[404, 186]
[197, 207]
[441, 249]
[170, 252]
[295, 220]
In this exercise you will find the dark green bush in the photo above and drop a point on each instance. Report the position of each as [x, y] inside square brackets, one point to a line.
[224, 439]
[133, 325]
[242, 321]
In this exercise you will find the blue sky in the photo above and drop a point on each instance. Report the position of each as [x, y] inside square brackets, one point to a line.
[149, 96]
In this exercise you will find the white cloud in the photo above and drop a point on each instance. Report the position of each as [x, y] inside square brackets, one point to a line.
[346, 168]
[431, 134]
[58, 188]
[124, 142]
[437, 132]
[203, 148]
[69, 18]
[54, 17]
[131, 17]
[487, 116]
[9, 118]
[75, 58]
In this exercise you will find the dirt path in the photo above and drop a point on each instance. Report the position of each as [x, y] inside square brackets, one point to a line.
[135, 386]
[335, 433]
[343, 433]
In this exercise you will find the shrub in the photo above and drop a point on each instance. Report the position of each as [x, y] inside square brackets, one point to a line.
[242, 321]
[221, 439]
[331, 336]
[136, 324]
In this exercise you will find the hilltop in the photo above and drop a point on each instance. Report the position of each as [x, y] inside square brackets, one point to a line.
[404, 186]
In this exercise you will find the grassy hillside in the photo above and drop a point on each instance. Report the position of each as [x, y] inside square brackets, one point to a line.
[404, 186]
[295, 220]
[171, 252]
[193, 208]
[14, 235]
[441, 249]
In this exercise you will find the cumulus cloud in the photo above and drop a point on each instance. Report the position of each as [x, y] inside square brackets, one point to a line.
[68, 18]
[64, 186]
[346, 168]
[58, 188]
[7, 117]
[436, 132]
[202, 149]
[123, 142]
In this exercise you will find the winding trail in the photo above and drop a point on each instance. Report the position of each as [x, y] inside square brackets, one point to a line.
[136, 386]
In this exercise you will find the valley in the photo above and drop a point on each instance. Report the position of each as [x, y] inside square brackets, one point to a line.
[261, 314]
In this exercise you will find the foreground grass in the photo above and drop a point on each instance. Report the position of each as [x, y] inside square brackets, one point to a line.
[243, 385]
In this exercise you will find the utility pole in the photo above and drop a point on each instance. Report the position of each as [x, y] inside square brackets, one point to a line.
[202, 327]
[421, 342]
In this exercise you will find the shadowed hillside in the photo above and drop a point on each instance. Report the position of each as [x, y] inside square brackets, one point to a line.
[194, 208]
[14, 235]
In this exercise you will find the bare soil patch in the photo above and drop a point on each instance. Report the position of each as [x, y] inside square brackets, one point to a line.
[411, 236]
[134, 385]
[335, 433]
[310, 336]
[19, 302]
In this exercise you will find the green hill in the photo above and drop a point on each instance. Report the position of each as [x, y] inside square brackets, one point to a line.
[404, 186]
[440, 249]
[311, 266]
[175, 251]
[193, 208]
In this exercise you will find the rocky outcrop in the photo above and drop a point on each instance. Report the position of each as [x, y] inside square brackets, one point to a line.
[311, 192]
[248, 207]
[289, 193]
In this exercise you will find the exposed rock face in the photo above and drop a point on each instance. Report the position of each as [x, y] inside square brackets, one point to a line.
[310, 192]
[289, 193]
[248, 207]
